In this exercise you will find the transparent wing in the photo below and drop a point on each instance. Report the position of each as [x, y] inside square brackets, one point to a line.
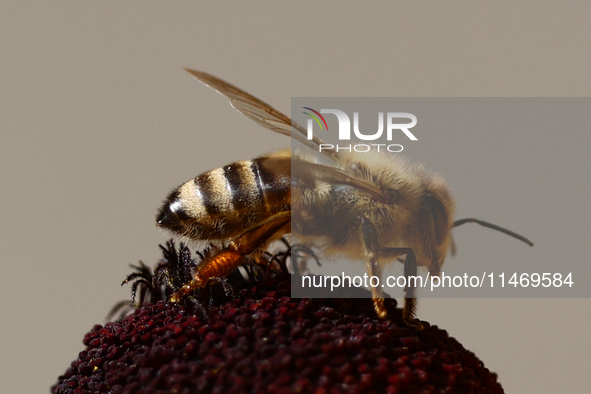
[268, 117]
[257, 110]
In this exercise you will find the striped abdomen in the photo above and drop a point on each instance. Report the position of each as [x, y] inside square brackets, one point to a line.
[224, 202]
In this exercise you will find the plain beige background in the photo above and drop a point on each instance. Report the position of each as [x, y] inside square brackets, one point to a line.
[98, 122]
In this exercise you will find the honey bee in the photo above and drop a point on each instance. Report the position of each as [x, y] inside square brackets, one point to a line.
[379, 208]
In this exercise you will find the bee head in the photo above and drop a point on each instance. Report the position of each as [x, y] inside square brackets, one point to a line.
[437, 218]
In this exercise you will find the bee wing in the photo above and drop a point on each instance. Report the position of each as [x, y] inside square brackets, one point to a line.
[257, 110]
[308, 172]
[268, 117]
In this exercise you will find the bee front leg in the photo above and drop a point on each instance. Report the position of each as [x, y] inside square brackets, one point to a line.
[410, 301]
[370, 240]
[410, 270]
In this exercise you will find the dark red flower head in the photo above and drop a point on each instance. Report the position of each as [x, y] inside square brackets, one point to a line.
[260, 340]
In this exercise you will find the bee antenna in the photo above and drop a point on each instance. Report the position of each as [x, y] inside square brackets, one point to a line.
[494, 227]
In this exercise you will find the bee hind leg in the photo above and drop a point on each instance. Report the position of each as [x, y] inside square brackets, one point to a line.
[226, 260]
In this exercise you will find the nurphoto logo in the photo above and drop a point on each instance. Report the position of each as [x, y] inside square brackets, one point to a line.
[344, 131]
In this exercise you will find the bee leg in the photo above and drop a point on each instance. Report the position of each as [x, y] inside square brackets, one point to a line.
[410, 269]
[410, 300]
[300, 254]
[265, 258]
[370, 238]
[226, 260]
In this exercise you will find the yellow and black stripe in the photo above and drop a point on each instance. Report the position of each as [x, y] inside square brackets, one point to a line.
[224, 202]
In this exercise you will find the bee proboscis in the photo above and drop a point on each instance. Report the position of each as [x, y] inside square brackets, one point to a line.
[380, 208]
